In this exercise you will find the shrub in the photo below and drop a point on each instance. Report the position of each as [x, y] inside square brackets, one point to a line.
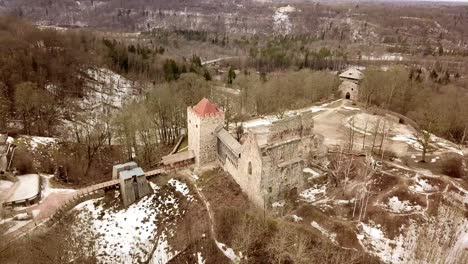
[13, 133]
[453, 167]
[23, 162]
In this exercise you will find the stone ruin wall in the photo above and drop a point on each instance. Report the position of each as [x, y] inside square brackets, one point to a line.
[278, 181]
[298, 144]
[249, 183]
[285, 128]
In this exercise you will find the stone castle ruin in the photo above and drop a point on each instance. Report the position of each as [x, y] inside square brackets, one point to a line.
[268, 163]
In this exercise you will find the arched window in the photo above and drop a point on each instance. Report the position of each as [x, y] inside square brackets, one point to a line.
[249, 169]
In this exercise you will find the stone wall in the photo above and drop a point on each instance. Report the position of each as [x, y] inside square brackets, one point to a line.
[285, 128]
[202, 135]
[401, 118]
[249, 182]
[127, 189]
[282, 170]
[307, 121]
[351, 88]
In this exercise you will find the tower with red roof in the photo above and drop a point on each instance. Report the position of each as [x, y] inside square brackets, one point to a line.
[202, 122]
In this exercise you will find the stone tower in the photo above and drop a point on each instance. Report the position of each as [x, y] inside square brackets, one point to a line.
[202, 121]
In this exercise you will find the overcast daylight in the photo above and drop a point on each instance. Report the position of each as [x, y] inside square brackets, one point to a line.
[234, 131]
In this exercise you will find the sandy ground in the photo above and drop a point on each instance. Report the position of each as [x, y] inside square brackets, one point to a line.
[332, 124]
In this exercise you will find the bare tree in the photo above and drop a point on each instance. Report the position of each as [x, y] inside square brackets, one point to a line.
[94, 138]
[428, 120]
[351, 133]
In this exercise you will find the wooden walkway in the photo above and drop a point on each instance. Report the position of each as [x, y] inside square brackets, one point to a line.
[78, 197]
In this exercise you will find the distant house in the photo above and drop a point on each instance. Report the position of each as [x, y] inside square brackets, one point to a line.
[349, 88]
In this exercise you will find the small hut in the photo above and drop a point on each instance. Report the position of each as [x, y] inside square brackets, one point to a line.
[133, 183]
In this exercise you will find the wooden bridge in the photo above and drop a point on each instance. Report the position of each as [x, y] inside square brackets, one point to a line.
[93, 190]
[172, 163]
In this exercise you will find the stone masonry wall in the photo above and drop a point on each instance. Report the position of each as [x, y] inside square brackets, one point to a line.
[193, 132]
[285, 128]
[249, 183]
[282, 170]
[202, 136]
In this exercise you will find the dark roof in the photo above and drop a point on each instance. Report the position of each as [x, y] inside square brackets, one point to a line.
[229, 141]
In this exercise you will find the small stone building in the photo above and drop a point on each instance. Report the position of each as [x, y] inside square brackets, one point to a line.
[133, 183]
[349, 88]
[268, 165]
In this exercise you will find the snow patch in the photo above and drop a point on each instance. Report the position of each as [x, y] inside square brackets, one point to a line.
[200, 259]
[278, 204]
[422, 185]
[268, 120]
[398, 250]
[397, 206]
[351, 108]
[182, 188]
[312, 172]
[408, 139]
[282, 24]
[228, 252]
[296, 218]
[129, 235]
[5, 185]
[329, 235]
[313, 194]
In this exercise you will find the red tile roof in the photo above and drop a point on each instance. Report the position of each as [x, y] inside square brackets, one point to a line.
[205, 107]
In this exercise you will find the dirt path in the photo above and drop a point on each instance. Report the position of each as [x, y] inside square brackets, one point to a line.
[206, 203]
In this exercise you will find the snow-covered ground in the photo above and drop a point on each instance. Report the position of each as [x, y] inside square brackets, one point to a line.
[442, 238]
[228, 252]
[28, 188]
[367, 123]
[268, 120]
[396, 206]
[109, 89]
[312, 172]
[137, 233]
[278, 204]
[5, 185]
[182, 188]
[35, 142]
[282, 24]
[296, 218]
[422, 186]
[326, 233]
[397, 250]
[383, 57]
[313, 194]
[48, 189]
[440, 143]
